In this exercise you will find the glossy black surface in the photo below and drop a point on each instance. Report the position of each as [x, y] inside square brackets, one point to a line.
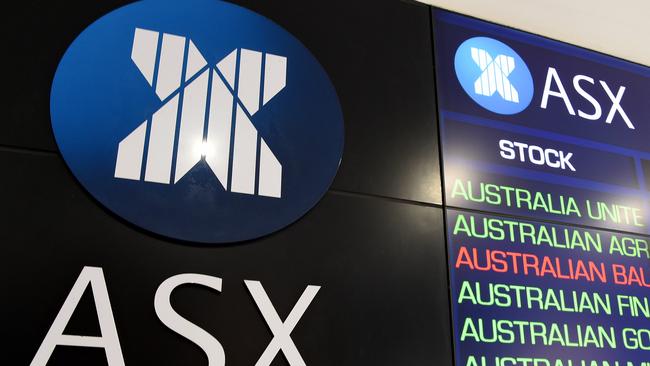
[381, 265]
[38, 33]
[374, 243]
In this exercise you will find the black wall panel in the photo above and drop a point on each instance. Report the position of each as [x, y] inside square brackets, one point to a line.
[375, 243]
[38, 33]
[381, 265]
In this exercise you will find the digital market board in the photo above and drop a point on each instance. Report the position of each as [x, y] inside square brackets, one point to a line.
[546, 155]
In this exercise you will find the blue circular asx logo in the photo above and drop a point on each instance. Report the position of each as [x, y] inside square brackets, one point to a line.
[493, 75]
[197, 120]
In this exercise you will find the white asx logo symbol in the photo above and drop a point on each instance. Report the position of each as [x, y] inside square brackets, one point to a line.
[488, 71]
[494, 77]
[206, 113]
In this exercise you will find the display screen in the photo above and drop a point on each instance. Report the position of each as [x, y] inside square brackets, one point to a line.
[546, 162]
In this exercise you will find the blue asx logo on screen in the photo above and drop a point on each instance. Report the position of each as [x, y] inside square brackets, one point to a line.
[493, 75]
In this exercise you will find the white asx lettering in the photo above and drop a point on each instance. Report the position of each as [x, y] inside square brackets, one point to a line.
[109, 340]
[168, 316]
[553, 87]
[213, 349]
[281, 330]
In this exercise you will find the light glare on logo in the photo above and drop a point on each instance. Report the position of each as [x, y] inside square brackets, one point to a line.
[197, 120]
[205, 125]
